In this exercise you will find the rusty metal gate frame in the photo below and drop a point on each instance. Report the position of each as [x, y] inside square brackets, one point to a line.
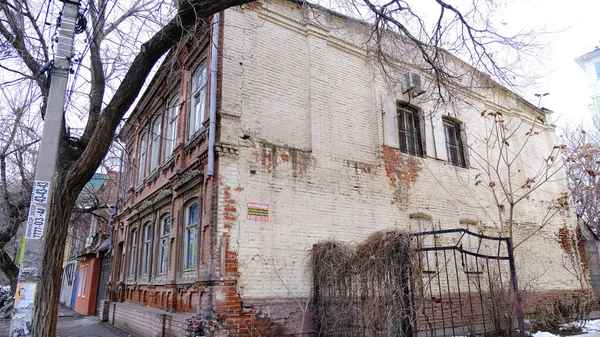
[503, 253]
[507, 255]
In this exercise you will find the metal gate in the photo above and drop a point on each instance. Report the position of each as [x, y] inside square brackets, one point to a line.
[103, 279]
[459, 283]
[467, 285]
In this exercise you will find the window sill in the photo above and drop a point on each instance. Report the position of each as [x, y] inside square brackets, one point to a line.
[195, 139]
[152, 177]
[169, 163]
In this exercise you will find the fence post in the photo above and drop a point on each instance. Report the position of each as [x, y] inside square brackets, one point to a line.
[316, 299]
[515, 285]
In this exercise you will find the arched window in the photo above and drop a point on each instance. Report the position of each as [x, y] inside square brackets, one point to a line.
[190, 250]
[133, 252]
[163, 253]
[147, 248]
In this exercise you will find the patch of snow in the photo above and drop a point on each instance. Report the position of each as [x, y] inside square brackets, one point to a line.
[592, 326]
[544, 334]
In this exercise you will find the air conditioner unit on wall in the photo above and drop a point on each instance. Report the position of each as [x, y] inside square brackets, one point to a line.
[414, 84]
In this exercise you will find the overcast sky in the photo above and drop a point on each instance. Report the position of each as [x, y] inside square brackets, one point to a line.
[577, 27]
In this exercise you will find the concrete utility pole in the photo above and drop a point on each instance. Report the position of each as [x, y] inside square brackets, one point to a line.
[30, 269]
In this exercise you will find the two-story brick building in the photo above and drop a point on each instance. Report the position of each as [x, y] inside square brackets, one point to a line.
[310, 143]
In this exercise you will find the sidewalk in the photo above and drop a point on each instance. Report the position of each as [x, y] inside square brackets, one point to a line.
[73, 324]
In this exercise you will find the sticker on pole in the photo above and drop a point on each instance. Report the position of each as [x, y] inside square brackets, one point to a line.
[36, 221]
[40, 191]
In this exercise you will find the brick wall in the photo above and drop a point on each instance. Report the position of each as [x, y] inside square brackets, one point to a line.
[142, 321]
[303, 110]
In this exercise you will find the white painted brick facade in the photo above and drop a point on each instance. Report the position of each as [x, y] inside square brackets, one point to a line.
[309, 115]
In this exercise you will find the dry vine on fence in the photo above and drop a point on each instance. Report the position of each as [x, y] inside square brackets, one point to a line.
[364, 290]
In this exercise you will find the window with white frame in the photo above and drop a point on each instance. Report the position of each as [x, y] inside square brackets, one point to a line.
[422, 223]
[163, 253]
[142, 154]
[133, 252]
[146, 248]
[171, 131]
[197, 100]
[409, 129]
[454, 143]
[156, 141]
[472, 244]
[190, 251]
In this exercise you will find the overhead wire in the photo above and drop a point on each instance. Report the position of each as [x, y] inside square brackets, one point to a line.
[94, 34]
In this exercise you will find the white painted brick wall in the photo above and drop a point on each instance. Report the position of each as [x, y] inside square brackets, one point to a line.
[300, 87]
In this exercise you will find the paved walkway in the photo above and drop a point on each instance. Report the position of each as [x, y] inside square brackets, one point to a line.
[73, 324]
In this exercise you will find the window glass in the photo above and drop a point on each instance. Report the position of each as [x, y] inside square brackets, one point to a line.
[146, 248]
[597, 66]
[164, 245]
[410, 131]
[127, 180]
[133, 252]
[171, 136]
[142, 158]
[454, 144]
[191, 237]
[198, 100]
[156, 140]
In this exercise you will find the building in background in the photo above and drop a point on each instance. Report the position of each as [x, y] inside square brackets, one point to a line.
[590, 63]
[311, 143]
[87, 258]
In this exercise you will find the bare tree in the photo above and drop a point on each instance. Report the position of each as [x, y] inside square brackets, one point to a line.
[510, 179]
[582, 159]
[18, 139]
[114, 65]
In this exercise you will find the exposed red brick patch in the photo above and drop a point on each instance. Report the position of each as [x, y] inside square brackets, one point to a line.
[269, 156]
[402, 170]
[571, 242]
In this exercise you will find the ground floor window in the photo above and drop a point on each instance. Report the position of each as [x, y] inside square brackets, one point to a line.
[190, 251]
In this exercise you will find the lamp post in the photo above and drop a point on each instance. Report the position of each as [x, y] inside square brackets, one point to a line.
[540, 98]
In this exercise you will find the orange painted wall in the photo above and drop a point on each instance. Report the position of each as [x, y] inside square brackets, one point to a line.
[85, 303]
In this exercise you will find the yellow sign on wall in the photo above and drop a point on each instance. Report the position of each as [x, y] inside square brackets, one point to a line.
[258, 212]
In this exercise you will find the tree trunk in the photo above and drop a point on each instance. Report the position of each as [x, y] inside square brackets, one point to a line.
[47, 296]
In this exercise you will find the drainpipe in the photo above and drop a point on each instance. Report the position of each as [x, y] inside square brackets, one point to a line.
[111, 226]
[212, 126]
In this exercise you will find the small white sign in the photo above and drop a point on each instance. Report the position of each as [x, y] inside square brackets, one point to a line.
[40, 191]
[36, 221]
